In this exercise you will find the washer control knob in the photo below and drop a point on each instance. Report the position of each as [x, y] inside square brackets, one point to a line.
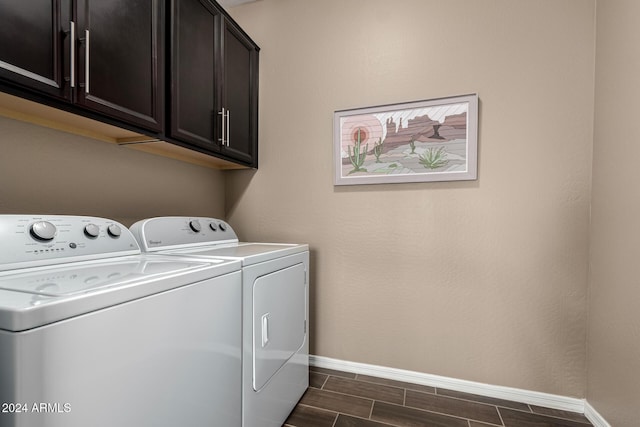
[114, 230]
[212, 226]
[195, 225]
[43, 230]
[92, 230]
[222, 226]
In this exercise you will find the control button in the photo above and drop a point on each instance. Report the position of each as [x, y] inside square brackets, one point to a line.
[114, 230]
[212, 226]
[223, 226]
[73, 245]
[195, 225]
[92, 230]
[43, 230]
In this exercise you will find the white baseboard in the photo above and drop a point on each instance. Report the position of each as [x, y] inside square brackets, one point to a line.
[524, 396]
[592, 415]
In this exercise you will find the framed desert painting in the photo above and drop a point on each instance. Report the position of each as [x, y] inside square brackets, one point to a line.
[422, 141]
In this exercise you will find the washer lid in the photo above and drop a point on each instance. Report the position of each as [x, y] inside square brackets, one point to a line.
[34, 297]
[248, 253]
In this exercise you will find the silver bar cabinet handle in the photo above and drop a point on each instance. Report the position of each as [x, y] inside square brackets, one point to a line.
[228, 127]
[86, 63]
[223, 130]
[72, 55]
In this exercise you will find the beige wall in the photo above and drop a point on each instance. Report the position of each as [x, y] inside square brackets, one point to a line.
[614, 315]
[48, 171]
[482, 280]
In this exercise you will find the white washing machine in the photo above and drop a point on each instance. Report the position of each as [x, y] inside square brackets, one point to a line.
[94, 333]
[275, 307]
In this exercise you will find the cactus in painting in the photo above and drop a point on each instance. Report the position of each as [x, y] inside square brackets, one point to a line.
[358, 156]
[412, 144]
[433, 159]
[377, 149]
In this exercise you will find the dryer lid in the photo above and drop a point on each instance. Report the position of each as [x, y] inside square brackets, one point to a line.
[248, 253]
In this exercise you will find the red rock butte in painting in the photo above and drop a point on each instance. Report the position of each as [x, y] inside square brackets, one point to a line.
[424, 129]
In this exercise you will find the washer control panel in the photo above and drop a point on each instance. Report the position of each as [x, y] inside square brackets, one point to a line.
[161, 233]
[33, 240]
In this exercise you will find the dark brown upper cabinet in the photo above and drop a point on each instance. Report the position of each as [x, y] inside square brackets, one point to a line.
[35, 45]
[193, 87]
[121, 58]
[239, 91]
[106, 56]
[181, 71]
[213, 82]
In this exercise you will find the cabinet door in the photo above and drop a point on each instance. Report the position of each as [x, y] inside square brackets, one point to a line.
[35, 45]
[240, 95]
[194, 118]
[121, 59]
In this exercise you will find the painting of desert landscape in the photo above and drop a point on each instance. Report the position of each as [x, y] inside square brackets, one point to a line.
[424, 141]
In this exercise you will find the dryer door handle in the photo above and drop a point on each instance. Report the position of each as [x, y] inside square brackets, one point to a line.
[265, 330]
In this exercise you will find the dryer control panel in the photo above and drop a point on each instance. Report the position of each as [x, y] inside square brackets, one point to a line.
[36, 240]
[172, 232]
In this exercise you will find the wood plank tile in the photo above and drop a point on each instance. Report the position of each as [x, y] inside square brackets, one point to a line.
[316, 379]
[573, 416]
[350, 405]
[402, 416]
[513, 418]
[348, 421]
[447, 405]
[365, 389]
[307, 416]
[479, 424]
[332, 372]
[484, 399]
[394, 383]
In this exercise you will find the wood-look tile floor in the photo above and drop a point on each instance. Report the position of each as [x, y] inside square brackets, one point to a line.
[341, 399]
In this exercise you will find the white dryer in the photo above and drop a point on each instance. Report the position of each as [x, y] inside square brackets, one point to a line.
[94, 333]
[275, 307]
